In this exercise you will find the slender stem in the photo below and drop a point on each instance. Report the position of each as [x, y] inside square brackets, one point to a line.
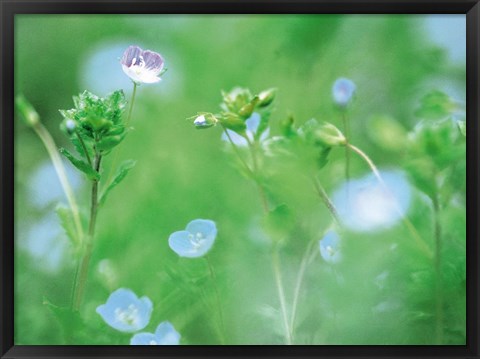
[81, 278]
[411, 228]
[275, 257]
[281, 295]
[252, 173]
[347, 150]
[239, 155]
[47, 140]
[127, 122]
[298, 285]
[256, 170]
[84, 147]
[438, 271]
[219, 302]
[325, 199]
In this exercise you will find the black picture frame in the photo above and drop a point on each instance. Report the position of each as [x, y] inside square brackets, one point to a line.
[10, 8]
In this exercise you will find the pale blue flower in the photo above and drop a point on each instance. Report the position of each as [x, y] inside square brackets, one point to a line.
[343, 90]
[252, 124]
[367, 205]
[126, 312]
[196, 240]
[330, 247]
[165, 334]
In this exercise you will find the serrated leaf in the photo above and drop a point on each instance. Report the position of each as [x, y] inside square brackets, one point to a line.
[122, 172]
[66, 220]
[82, 166]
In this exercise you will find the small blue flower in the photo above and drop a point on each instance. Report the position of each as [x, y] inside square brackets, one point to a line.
[196, 240]
[330, 247]
[165, 334]
[125, 312]
[252, 124]
[365, 205]
[343, 90]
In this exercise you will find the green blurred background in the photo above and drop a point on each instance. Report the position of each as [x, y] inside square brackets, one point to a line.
[183, 174]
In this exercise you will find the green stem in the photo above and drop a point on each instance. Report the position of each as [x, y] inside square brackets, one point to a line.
[347, 151]
[325, 199]
[299, 280]
[256, 170]
[438, 272]
[84, 148]
[47, 140]
[281, 295]
[411, 228]
[82, 271]
[219, 303]
[127, 122]
[239, 155]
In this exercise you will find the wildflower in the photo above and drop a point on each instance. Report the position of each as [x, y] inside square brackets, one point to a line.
[126, 312]
[205, 120]
[252, 123]
[330, 247]
[196, 240]
[142, 66]
[165, 334]
[367, 205]
[343, 90]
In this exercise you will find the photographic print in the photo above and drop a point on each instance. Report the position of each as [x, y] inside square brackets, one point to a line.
[240, 179]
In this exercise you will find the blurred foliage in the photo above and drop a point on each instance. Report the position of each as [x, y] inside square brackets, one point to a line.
[384, 291]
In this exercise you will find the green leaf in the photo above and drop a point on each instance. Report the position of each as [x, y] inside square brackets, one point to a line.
[82, 166]
[123, 170]
[66, 220]
[435, 105]
[110, 142]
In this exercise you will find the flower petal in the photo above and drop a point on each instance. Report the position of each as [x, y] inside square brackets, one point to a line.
[204, 226]
[166, 334]
[125, 312]
[180, 243]
[343, 90]
[236, 138]
[153, 61]
[132, 52]
[144, 339]
[253, 122]
[330, 247]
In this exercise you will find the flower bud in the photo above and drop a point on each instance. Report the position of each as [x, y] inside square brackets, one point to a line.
[266, 97]
[329, 135]
[27, 111]
[70, 126]
[205, 121]
[247, 110]
[233, 122]
[342, 91]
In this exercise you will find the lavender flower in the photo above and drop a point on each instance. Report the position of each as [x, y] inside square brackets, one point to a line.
[142, 66]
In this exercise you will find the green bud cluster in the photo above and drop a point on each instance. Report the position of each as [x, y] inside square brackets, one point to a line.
[96, 120]
[237, 106]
